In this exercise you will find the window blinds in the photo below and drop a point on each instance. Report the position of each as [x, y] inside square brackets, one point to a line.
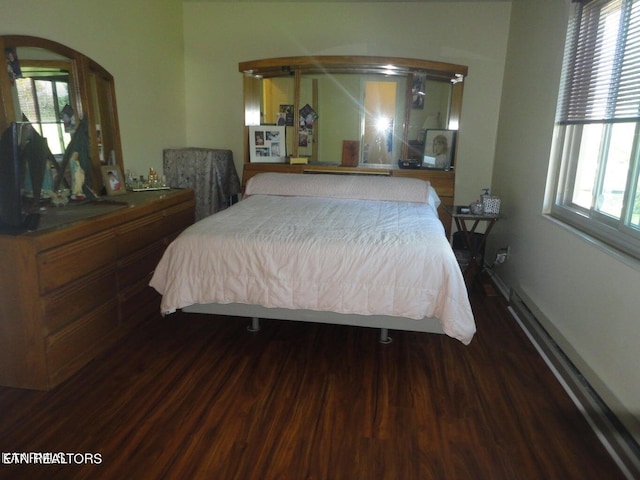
[601, 71]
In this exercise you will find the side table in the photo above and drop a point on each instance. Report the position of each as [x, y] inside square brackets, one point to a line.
[468, 223]
[209, 172]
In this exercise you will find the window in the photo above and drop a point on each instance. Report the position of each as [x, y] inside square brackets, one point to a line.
[596, 154]
[44, 99]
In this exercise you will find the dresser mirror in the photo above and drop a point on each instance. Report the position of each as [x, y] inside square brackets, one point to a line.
[383, 105]
[52, 88]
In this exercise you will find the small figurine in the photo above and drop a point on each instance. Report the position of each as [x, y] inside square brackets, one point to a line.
[153, 177]
[60, 198]
[77, 178]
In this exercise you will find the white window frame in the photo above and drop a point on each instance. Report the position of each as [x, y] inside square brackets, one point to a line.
[619, 233]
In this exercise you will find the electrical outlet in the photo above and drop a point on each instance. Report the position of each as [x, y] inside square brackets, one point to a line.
[502, 255]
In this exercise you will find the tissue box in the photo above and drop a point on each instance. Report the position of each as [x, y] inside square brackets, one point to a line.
[491, 205]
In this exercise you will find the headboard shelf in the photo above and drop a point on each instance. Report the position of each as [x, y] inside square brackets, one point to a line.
[442, 181]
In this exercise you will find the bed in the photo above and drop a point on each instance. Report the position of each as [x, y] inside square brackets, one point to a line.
[356, 250]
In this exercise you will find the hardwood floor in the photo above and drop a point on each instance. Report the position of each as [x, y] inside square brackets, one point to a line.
[190, 397]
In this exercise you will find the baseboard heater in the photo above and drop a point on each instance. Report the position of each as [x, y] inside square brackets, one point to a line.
[620, 444]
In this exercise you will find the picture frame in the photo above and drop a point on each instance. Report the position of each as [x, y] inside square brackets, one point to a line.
[350, 153]
[417, 91]
[285, 115]
[439, 149]
[267, 144]
[113, 180]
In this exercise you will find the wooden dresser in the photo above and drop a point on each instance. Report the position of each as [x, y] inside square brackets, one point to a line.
[442, 181]
[71, 289]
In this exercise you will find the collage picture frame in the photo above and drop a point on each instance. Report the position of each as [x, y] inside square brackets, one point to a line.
[267, 144]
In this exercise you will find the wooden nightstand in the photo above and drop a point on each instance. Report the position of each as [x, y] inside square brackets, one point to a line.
[468, 223]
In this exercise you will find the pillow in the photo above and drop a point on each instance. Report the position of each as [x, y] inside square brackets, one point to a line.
[358, 187]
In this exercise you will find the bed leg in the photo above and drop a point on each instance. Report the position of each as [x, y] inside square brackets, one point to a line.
[384, 336]
[255, 325]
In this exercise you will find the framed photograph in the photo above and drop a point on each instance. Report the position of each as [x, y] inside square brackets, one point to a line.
[308, 116]
[417, 91]
[113, 180]
[285, 116]
[439, 146]
[267, 144]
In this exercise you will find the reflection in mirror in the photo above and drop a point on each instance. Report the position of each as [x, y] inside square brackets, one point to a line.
[278, 96]
[383, 119]
[43, 96]
[380, 107]
[336, 100]
[366, 108]
[433, 112]
[369, 109]
[104, 124]
[53, 90]
[42, 103]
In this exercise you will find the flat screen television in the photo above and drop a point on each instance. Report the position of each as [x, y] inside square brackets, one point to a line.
[12, 218]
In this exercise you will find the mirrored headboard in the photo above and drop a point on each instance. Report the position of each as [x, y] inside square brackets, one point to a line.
[384, 105]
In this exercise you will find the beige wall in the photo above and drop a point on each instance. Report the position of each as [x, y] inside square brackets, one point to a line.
[140, 42]
[589, 296]
[218, 35]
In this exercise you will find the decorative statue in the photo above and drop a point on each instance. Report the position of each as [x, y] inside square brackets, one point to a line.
[77, 178]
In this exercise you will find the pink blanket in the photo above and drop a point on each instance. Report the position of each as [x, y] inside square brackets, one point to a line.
[367, 257]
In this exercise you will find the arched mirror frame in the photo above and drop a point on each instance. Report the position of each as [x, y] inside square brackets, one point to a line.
[254, 71]
[92, 91]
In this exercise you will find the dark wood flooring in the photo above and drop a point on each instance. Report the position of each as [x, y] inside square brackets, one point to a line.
[197, 397]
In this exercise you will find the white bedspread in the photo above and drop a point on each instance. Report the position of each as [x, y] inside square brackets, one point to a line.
[325, 254]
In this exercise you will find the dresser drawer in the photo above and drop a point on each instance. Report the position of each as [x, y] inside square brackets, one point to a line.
[139, 233]
[71, 261]
[80, 339]
[177, 218]
[140, 264]
[74, 300]
[138, 302]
